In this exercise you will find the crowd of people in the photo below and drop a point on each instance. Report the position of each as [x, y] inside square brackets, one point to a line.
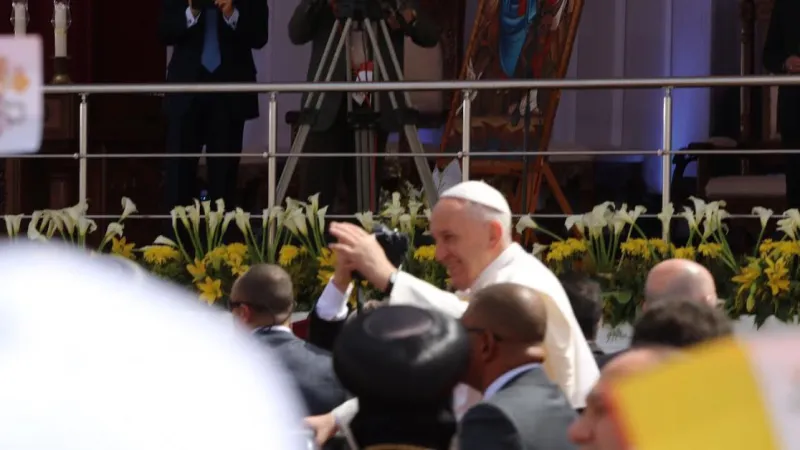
[507, 362]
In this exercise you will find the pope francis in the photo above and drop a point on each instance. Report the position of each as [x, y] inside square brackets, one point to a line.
[471, 225]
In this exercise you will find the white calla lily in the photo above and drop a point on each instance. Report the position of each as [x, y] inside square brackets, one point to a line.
[665, 216]
[313, 203]
[699, 209]
[321, 218]
[13, 224]
[128, 208]
[406, 225]
[86, 226]
[394, 209]
[764, 214]
[242, 220]
[163, 240]
[114, 229]
[524, 223]
[367, 220]
[576, 221]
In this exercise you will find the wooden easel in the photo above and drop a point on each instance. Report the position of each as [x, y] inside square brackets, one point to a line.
[539, 170]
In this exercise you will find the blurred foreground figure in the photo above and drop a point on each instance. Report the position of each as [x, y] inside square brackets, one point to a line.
[96, 359]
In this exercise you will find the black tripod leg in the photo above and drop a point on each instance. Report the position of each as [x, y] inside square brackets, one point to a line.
[304, 129]
[410, 131]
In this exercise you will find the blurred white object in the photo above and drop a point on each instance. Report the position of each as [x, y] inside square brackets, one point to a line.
[449, 177]
[94, 359]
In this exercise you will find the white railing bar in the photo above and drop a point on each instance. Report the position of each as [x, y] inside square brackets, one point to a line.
[327, 155]
[256, 217]
[666, 147]
[265, 155]
[612, 83]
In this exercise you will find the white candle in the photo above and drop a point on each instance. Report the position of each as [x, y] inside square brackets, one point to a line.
[20, 19]
[60, 26]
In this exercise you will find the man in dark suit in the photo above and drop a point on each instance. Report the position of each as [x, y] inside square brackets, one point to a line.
[521, 409]
[782, 56]
[263, 299]
[211, 43]
[585, 297]
[312, 22]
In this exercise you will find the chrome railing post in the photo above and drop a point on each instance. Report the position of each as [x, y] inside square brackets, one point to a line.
[666, 154]
[272, 163]
[83, 148]
[466, 131]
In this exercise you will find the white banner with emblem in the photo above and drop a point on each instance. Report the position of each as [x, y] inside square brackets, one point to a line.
[21, 95]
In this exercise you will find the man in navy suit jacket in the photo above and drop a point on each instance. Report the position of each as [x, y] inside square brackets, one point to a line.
[212, 42]
[263, 299]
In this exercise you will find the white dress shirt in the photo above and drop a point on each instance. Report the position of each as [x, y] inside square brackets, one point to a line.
[191, 20]
[569, 363]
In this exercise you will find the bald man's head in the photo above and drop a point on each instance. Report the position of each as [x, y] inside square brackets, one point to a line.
[507, 323]
[680, 278]
[510, 310]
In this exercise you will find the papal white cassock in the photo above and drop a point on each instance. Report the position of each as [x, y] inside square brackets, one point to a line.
[569, 361]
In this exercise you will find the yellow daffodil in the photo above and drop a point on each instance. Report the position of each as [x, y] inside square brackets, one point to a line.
[122, 248]
[197, 270]
[766, 247]
[710, 250]
[287, 255]
[685, 253]
[777, 276]
[327, 258]
[747, 276]
[160, 254]
[238, 249]
[787, 248]
[324, 276]
[210, 290]
[635, 247]
[563, 250]
[425, 253]
[659, 246]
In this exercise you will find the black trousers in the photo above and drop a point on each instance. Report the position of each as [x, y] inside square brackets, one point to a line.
[208, 122]
[323, 174]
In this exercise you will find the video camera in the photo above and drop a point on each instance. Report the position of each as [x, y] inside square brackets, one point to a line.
[394, 243]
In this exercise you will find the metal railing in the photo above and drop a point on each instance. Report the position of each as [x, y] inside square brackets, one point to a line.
[273, 89]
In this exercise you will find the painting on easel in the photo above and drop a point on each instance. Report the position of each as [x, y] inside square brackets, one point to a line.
[514, 39]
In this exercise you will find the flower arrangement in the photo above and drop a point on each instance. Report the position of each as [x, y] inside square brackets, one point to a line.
[606, 243]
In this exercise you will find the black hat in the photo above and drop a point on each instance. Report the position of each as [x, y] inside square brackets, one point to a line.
[401, 356]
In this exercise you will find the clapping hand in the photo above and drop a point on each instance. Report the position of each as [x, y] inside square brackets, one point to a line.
[362, 252]
[226, 6]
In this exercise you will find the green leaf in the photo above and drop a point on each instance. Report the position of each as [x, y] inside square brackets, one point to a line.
[751, 299]
[621, 297]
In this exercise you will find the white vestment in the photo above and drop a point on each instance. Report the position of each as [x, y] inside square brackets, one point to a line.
[569, 361]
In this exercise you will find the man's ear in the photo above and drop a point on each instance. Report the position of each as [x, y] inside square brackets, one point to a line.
[495, 232]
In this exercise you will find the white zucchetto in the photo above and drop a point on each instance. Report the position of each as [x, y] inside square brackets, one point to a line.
[92, 358]
[479, 192]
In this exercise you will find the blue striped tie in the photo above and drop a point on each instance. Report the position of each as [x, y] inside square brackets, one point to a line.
[211, 58]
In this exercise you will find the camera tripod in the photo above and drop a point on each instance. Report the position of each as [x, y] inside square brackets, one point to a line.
[367, 15]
